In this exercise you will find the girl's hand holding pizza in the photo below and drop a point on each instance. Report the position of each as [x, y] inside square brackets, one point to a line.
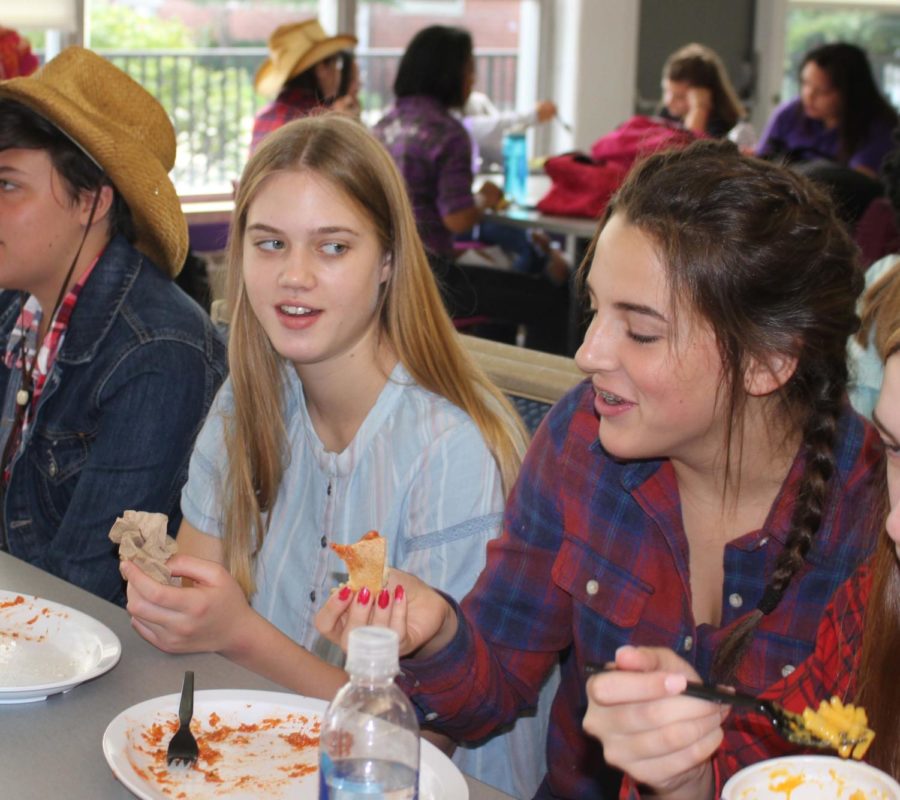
[422, 618]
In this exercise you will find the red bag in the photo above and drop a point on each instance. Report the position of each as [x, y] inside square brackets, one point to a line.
[581, 186]
[640, 136]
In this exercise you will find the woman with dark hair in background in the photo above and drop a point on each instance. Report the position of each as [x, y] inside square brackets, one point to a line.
[429, 145]
[304, 70]
[698, 92]
[433, 151]
[839, 130]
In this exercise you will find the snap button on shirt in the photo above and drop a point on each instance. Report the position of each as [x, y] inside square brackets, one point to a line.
[592, 587]
[735, 600]
[787, 669]
[688, 643]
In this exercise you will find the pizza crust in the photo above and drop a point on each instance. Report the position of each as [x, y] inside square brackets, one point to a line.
[366, 562]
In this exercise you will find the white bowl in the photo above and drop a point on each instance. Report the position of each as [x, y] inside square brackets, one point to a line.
[810, 778]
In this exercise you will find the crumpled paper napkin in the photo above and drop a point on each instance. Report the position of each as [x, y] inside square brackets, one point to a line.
[142, 538]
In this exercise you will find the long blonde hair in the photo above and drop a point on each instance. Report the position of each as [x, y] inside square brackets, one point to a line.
[878, 688]
[881, 312]
[411, 316]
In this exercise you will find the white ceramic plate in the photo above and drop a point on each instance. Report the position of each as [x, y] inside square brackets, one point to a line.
[47, 648]
[810, 778]
[270, 758]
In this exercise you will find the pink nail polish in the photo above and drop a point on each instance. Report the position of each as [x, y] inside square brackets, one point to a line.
[384, 597]
[345, 593]
[398, 593]
[363, 597]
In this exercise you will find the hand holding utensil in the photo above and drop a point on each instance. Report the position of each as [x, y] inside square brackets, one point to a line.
[789, 725]
[183, 746]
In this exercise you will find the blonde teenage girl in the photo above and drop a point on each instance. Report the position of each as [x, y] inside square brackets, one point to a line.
[351, 405]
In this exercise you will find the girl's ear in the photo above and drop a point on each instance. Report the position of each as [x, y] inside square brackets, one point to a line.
[386, 266]
[104, 204]
[762, 378]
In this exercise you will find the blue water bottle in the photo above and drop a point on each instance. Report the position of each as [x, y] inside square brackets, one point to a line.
[515, 167]
[369, 740]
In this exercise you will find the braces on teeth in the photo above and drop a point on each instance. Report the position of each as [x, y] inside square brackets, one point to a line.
[612, 399]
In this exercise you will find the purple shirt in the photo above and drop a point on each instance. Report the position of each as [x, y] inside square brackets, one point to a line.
[434, 154]
[789, 130]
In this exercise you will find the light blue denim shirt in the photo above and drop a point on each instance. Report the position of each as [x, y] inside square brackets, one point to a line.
[419, 472]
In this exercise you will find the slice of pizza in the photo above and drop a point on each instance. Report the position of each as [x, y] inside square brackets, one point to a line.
[366, 562]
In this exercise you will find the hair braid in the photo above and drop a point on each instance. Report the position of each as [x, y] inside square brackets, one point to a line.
[819, 438]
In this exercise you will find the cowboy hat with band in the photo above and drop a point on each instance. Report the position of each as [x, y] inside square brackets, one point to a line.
[293, 49]
[122, 128]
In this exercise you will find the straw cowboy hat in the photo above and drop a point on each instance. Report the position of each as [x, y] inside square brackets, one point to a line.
[294, 49]
[123, 129]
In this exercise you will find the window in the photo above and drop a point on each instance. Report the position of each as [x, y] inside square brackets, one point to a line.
[873, 25]
[384, 29]
[198, 58]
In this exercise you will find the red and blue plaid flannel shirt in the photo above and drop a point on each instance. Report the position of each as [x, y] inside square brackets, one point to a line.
[290, 104]
[17, 354]
[593, 555]
[832, 669]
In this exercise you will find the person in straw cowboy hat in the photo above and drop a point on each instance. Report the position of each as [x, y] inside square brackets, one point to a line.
[304, 71]
[106, 367]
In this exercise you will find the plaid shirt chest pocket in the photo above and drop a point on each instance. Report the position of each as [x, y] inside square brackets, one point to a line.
[607, 602]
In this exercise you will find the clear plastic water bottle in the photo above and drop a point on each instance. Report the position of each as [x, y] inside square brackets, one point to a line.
[369, 741]
[515, 167]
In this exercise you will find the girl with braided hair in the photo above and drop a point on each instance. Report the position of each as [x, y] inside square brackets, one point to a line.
[855, 655]
[723, 501]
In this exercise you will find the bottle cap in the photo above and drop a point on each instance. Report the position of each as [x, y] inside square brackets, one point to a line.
[373, 652]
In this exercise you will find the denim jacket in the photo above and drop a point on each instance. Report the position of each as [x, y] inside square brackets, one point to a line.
[115, 423]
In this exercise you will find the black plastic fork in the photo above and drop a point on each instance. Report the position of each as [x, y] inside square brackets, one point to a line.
[183, 746]
[790, 725]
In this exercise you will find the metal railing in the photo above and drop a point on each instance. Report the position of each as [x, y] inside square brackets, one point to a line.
[210, 98]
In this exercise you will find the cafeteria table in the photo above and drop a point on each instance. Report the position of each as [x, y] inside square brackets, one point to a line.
[52, 748]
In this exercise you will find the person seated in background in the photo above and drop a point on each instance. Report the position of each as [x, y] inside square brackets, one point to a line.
[838, 130]
[430, 146]
[351, 405]
[698, 93]
[487, 126]
[303, 70]
[676, 748]
[107, 367]
[432, 149]
[718, 510]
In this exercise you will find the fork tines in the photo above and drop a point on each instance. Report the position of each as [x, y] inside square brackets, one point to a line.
[183, 747]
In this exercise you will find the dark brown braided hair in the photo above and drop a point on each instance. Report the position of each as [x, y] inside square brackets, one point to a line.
[758, 252]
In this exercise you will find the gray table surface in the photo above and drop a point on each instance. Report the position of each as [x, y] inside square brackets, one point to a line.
[52, 748]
